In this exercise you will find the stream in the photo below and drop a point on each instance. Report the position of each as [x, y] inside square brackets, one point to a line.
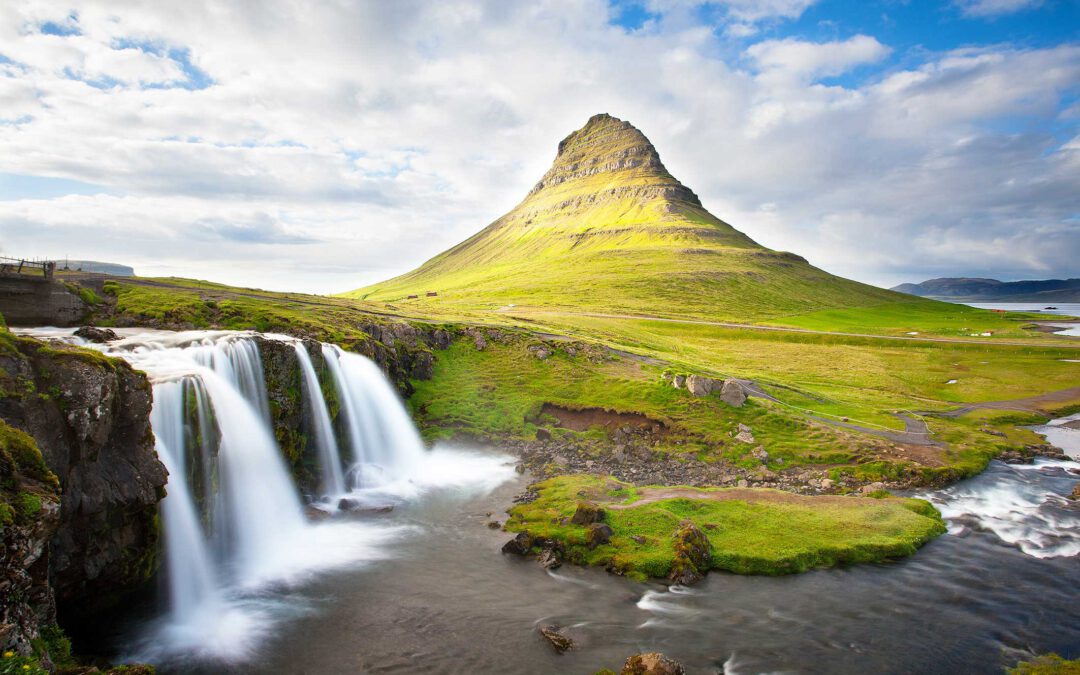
[423, 588]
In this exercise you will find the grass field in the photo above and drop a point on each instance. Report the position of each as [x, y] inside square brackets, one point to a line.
[748, 531]
[495, 393]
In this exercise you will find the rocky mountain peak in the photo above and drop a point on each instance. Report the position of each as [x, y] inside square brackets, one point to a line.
[605, 144]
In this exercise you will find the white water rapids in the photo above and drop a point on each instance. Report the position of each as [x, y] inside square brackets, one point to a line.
[1024, 505]
[231, 560]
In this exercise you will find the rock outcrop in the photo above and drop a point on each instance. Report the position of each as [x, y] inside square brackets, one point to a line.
[652, 663]
[29, 517]
[90, 418]
[693, 554]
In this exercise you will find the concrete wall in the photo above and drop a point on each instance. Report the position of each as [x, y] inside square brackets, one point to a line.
[26, 301]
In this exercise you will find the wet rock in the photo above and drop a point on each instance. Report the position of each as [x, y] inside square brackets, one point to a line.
[519, 545]
[494, 525]
[587, 513]
[559, 642]
[652, 663]
[315, 514]
[94, 334]
[693, 554]
[598, 535]
[1075, 495]
[549, 558]
[733, 394]
[348, 504]
[699, 385]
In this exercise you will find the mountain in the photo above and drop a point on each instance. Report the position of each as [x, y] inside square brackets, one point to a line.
[992, 290]
[608, 229]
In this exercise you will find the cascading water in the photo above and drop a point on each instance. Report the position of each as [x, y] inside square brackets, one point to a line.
[193, 585]
[333, 478]
[384, 442]
[234, 528]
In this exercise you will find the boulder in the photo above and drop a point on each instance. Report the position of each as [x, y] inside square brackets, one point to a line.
[679, 381]
[519, 545]
[588, 513]
[1075, 496]
[733, 393]
[93, 334]
[598, 535]
[652, 663]
[693, 554]
[543, 435]
[559, 642]
[549, 558]
[699, 385]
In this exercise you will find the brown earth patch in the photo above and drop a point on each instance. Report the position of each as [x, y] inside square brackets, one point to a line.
[750, 495]
[586, 418]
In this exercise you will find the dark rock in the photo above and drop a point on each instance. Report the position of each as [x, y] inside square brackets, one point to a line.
[559, 642]
[587, 513]
[652, 663]
[494, 525]
[1075, 495]
[101, 540]
[92, 334]
[598, 535]
[314, 514]
[348, 504]
[693, 554]
[543, 435]
[519, 545]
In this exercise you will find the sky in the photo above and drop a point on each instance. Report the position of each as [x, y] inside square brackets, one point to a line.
[323, 146]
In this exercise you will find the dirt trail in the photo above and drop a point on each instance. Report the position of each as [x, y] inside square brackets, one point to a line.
[1030, 404]
[751, 495]
[1066, 341]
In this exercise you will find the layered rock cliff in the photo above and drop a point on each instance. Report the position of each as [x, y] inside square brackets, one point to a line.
[89, 417]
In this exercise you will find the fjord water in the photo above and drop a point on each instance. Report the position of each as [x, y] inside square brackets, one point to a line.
[253, 587]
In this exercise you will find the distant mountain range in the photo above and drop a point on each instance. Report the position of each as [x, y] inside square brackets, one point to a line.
[992, 290]
[98, 267]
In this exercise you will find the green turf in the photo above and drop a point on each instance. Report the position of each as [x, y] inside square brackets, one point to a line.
[761, 532]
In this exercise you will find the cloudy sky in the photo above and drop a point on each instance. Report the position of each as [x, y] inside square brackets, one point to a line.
[283, 146]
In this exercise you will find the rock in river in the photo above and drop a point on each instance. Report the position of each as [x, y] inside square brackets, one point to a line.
[652, 663]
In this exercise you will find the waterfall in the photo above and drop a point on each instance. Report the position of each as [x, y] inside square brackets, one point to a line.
[192, 582]
[234, 530]
[384, 442]
[333, 483]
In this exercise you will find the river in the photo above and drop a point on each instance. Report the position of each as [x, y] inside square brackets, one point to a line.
[423, 588]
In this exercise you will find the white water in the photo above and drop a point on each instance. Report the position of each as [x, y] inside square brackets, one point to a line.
[333, 478]
[229, 566]
[385, 445]
[1025, 505]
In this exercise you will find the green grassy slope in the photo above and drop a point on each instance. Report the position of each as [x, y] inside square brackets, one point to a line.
[609, 229]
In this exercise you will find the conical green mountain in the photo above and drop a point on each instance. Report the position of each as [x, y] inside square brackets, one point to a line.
[608, 229]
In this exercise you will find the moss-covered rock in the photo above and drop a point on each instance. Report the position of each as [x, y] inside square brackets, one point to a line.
[77, 422]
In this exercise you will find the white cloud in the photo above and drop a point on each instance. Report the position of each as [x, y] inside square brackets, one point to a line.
[995, 8]
[340, 145]
[796, 58]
